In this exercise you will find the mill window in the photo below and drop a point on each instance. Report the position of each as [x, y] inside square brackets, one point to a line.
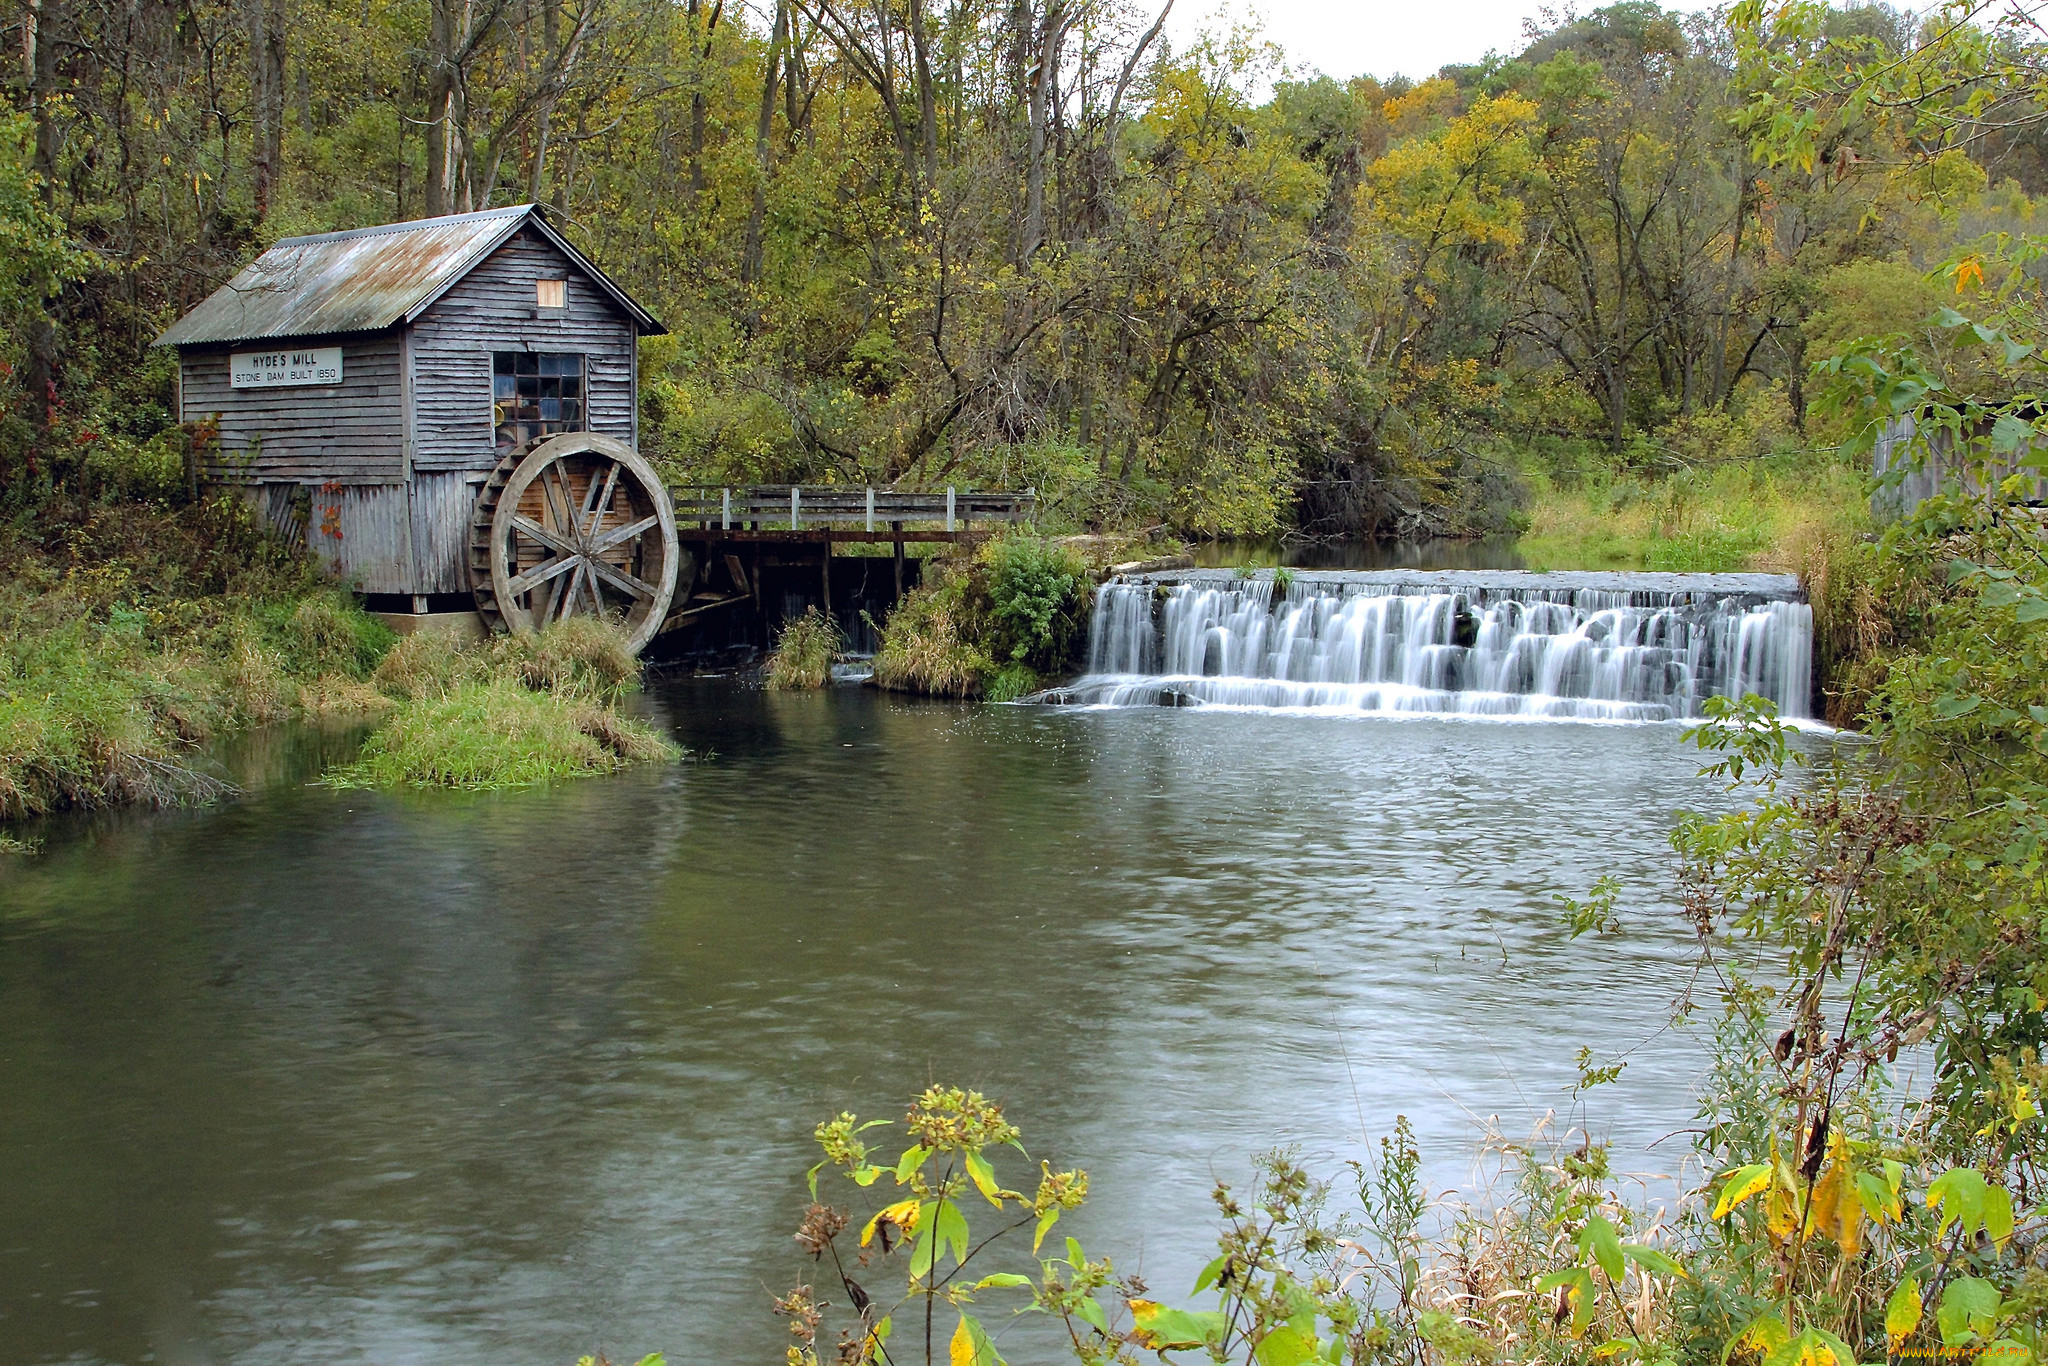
[551, 293]
[535, 394]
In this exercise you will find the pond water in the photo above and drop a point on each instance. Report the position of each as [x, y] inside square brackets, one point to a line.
[328, 1077]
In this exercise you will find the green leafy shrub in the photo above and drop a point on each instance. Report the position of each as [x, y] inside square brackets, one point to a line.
[1036, 597]
[804, 652]
[1018, 610]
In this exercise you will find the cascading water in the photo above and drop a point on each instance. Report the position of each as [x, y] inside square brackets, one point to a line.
[1592, 647]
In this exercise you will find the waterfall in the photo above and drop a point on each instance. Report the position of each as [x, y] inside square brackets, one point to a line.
[1593, 647]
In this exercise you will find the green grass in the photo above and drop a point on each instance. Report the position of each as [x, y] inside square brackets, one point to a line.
[1757, 514]
[510, 711]
[496, 734]
[131, 635]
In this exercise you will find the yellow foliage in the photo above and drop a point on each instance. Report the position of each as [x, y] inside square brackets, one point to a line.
[1452, 187]
[1434, 98]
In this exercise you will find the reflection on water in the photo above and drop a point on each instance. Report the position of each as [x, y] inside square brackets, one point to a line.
[1494, 553]
[329, 1077]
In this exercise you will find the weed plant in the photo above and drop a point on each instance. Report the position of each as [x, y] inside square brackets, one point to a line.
[804, 652]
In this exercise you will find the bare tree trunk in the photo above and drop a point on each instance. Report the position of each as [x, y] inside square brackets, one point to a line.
[39, 71]
[543, 119]
[927, 103]
[442, 39]
[697, 108]
[1052, 34]
[764, 151]
[267, 41]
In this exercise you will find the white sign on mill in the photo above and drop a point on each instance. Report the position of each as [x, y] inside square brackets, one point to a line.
[271, 369]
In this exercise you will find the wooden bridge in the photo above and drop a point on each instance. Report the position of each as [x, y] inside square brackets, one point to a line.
[737, 533]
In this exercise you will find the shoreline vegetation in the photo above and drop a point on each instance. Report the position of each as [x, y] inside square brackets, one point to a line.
[136, 631]
[133, 633]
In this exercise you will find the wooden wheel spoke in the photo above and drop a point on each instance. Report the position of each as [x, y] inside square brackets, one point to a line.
[621, 580]
[566, 603]
[561, 498]
[621, 533]
[540, 574]
[595, 509]
[561, 545]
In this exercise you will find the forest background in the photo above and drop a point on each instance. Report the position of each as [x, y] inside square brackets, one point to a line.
[1008, 243]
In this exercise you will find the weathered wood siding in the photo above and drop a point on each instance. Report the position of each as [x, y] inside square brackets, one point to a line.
[493, 309]
[441, 504]
[347, 433]
[357, 532]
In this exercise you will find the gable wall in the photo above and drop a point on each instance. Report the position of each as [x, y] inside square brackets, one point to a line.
[492, 309]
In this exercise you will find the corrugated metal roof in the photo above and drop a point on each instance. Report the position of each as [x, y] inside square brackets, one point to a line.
[366, 280]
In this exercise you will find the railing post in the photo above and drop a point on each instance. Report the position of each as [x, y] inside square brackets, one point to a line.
[871, 510]
[725, 509]
[795, 502]
[949, 508]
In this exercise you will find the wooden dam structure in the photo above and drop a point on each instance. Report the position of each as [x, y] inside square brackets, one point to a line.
[445, 413]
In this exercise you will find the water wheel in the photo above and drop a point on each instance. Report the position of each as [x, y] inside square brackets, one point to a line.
[578, 525]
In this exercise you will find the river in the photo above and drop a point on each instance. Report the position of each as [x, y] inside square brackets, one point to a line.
[320, 1077]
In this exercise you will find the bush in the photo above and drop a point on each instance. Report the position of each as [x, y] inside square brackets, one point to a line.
[1037, 601]
[804, 652]
[1018, 609]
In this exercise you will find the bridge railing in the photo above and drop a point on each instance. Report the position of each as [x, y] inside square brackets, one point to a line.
[796, 506]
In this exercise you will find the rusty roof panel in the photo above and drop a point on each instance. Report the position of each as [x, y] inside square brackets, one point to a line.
[363, 281]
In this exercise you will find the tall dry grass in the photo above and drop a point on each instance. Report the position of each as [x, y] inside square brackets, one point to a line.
[804, 653]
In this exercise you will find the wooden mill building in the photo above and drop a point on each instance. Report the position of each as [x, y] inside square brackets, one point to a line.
[366, 386]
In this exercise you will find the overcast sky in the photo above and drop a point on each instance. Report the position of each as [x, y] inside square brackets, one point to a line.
[1346, 38]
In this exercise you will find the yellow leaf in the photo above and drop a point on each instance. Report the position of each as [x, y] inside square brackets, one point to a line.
[962, 1350]
[1969, 271]
[1742, 1184]
[903, 1214]
[1902, 1315]
[1781, 1213]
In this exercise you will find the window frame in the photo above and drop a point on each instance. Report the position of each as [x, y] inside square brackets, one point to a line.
[538, 371]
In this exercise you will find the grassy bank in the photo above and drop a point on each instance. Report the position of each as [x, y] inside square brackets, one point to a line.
[130, 634]
[1755, 514]
[133, 633]
[509, 711]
